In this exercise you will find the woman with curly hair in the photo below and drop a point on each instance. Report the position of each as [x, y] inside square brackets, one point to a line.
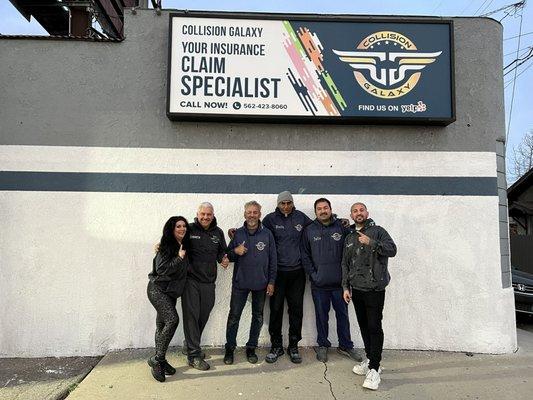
[165, 286]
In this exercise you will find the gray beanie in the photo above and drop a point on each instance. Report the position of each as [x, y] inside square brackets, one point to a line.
[284, 196]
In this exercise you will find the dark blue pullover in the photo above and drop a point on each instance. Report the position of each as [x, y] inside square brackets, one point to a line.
[256, 268]
[287, 231]
[321, 249]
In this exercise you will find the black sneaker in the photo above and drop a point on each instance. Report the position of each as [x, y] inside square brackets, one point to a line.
[295, 356]
[198, 363]
[274, 353]
[322, 354]
[158, 372]
[250, 355]
[228, 357]
[184, 350]
[169, 369]
[350, 353]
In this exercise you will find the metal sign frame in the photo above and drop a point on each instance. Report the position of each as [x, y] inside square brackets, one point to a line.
[372, 120]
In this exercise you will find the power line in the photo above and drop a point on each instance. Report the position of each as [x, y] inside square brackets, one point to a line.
[517, 36]
[519, 64]
[480, 7]
[487, 6]
[514, 6]
[436, 8]
[523, 59]
[517, 76]
[514, 79]
[467, 6]
[514, 51]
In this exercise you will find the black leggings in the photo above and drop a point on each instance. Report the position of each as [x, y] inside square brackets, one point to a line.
[167, 318]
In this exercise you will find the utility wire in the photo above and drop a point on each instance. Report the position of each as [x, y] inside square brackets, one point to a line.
[436, 8]
[480, 7]
[523, 48]
[487, 6]
[514, 79]
[467, 6]
[519, 64]
[517, 36]
[516, 6]
[517, 76]
[505, 16]
[523, 59]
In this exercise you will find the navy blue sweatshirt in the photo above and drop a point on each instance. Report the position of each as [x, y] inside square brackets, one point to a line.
[287, 231]
[321, 249]
[256, 268]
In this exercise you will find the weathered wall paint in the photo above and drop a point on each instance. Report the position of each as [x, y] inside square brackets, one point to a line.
[74, 264]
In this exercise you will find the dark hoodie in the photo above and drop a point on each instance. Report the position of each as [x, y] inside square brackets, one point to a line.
[321, 249]
[256, 268]
[287, 231]
[206, 248]
[365, 267]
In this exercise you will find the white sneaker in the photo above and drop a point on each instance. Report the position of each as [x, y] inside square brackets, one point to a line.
[361, 368]
[372, 380]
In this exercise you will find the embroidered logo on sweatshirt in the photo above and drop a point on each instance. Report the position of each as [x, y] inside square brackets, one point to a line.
[215, 239]
[336, 236]
[316, 238]
[194, 237]
[349, 245]
[298, 227]
[279, 227]
[260, 246]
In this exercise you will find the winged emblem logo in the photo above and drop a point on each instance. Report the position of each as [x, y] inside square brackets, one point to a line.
[387, 64]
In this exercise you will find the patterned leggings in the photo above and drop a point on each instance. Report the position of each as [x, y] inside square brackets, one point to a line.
[167, 318]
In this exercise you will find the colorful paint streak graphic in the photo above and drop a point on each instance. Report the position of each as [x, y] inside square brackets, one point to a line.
[310, 80]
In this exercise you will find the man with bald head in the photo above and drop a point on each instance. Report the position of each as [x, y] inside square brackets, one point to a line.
[365, 275]
[207, 246]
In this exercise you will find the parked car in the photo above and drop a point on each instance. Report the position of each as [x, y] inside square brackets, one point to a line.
[523, 291]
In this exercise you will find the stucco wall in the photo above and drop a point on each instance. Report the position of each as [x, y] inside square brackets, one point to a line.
[77, 119]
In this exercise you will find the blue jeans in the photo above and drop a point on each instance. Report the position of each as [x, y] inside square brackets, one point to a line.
[323, 300]
[237, 303]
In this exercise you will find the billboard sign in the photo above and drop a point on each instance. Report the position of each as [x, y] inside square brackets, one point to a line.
[279, 68]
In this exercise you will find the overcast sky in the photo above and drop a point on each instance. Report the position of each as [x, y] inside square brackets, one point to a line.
[11, 22]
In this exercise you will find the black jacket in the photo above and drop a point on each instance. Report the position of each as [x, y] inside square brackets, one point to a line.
[169, 272]
[321, 249]
[287, 231]
[206, 248]
[365, 267]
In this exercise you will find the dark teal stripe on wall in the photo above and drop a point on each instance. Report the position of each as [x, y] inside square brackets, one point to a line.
[176, 183]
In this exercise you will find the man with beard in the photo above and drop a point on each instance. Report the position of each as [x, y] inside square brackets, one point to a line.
[364, 278]
[253, 251]
[286, 224]
[321, 249]
[207, 246]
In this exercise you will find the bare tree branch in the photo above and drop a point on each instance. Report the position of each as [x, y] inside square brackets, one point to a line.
[521, 160]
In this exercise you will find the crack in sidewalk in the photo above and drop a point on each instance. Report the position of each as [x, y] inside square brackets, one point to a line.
[326, 378]
[328, 381]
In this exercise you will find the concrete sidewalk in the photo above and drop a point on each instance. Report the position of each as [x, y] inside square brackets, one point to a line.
[47, 378]
[407, 375]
